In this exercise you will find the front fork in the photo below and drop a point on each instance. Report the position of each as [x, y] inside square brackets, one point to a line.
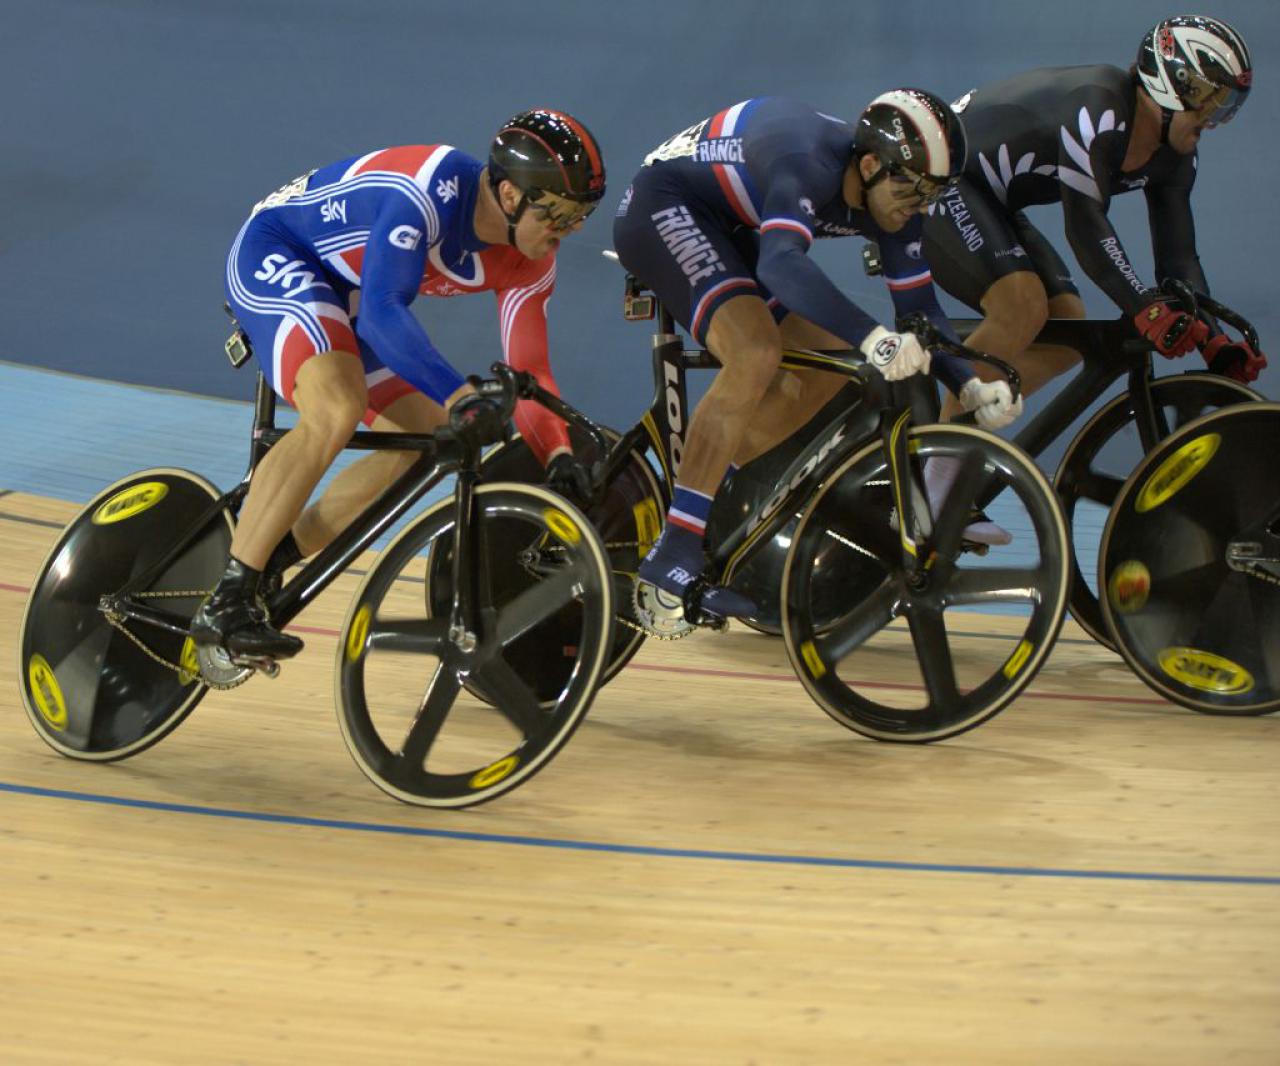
[895, 431]
[463, 620]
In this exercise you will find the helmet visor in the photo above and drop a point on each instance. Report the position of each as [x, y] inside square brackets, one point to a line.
[1217, 104]
[919, 190]
[557, 212]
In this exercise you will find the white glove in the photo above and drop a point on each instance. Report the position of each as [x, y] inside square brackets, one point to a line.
[991, 402]
[895, 355]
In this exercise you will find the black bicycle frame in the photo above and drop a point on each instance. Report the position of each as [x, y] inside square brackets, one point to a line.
[442, 453]
[664, 426]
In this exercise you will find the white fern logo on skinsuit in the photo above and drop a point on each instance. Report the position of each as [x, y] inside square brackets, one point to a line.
[1002, 173]
[999, 179]
[1083, 180]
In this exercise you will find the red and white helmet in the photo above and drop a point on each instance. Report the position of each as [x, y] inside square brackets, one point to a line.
[1193, 62]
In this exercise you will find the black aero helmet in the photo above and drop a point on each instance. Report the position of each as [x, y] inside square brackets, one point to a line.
[1190, 62]
[914, 134]
[550, 157]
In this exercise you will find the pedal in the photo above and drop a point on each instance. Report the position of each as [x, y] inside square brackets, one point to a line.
[659, 613]
[262, 665]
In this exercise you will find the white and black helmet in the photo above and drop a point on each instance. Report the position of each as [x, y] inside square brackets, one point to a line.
[1189, 62]
[913, 130]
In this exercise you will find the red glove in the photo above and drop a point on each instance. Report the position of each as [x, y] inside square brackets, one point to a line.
[1233, 359]
[1172, 331]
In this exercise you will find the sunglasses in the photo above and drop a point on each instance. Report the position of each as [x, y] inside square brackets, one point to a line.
[912, 188]
[558, 213]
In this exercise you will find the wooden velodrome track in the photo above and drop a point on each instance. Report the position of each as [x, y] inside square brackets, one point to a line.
[712, 872]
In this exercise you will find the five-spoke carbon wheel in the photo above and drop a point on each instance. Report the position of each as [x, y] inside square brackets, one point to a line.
[627, 513]
[440, 717]
[91, 692]
[967, 666]
[1100, 457]
[1190, 561]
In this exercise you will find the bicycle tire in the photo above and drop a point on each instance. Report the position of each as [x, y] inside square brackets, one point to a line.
[852, 508]
[388, 621]
[1077, 479]
[1196, 630]
[90, 692]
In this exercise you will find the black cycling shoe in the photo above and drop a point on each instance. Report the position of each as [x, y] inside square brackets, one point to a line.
[234, 619]
[240, 626]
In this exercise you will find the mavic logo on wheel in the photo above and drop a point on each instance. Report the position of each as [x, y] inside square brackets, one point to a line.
[494, 773]
[46, 692]
[129, 502]
[776, 500]
[1172, 475]
[1205, 671]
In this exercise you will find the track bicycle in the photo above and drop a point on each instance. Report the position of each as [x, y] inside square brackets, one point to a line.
[855, 485]
[108, 667]
[1099, 456]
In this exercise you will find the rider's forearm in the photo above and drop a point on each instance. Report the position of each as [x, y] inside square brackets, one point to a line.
[801, 287]
[1101, 255]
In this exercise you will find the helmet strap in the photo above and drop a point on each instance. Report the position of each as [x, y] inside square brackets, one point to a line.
[881, 173]
[1166, 117]
[513, 219]
[496, 177]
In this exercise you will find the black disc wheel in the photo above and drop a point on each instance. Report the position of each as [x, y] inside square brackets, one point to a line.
[627, 514]
[926, 656]
[440, 717]
[1100, 457]
[1190, 561]
[95, 691]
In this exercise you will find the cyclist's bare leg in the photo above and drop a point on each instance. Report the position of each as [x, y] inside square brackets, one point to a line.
[745, 339]
[794, 396]
[1015, 309]
[330, 397]
[359, 484]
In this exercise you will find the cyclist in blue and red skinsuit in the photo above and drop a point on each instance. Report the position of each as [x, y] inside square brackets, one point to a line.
[321, 277]
[719, 222]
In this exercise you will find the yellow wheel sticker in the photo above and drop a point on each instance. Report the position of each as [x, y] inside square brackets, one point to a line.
[358, 633]
[47, 693]
[131, 501]
[1129, 587]
[494, 772]
[1205, 671]
[1172, 475]
[648, 523]
[812, 659]
[1018, 659]
[562, 525]
[189, 663]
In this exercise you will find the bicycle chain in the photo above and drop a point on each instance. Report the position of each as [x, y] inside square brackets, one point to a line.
[117, 621]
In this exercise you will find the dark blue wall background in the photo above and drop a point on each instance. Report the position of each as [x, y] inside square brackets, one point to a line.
[139, 132]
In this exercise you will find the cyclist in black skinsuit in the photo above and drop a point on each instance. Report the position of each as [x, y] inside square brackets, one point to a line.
[1079, 136]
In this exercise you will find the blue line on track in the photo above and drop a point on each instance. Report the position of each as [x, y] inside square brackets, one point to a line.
[637, 849]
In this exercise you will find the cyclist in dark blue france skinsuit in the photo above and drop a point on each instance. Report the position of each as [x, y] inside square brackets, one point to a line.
[1080, 136]
[719, 222]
